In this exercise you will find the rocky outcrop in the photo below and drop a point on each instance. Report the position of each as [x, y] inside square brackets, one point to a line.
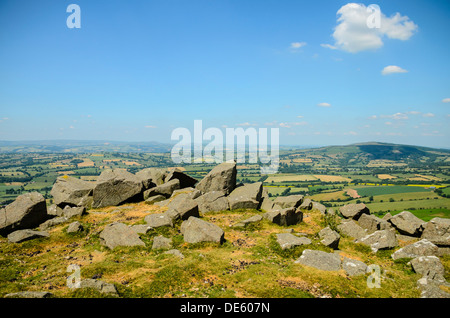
[212, 201]
[114, 187]
[382, 239]
[329, 237]
[288, 240]
[420, 248]
[407, 223]
[320, 260]
[221, 178]
[72, 191]
[25, 235]
[26, 212]
[437, 231]
[354, 211]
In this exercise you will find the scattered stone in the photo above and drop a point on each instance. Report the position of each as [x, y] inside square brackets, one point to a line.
[114, 187]
[165, 189]
[25, 235]
[329, 237]
[369, 222]
[306, 204]
[69, 211]
[353, 267]
[382, 239]
[181, 207]
[320, 260]
[430, 267]
[119, 234]
[221, 178]
[74, 227]
[54, 210]
[287, 240]
[52, 222]
[175, 252]
[407, 223]
[212, 201]
[285, 217]
[159, 220]
[161, 242]
[420, 248]
[354, 211]
[430, 289]
[254, 219]
[352, 229]
[102, 287]
[437, 230]
[141, 228]
[26, 212]
[156, 198]
[320, 207]
[196, 230]
[151, 177]
[29, 294]
[290, 201]
[72, 191]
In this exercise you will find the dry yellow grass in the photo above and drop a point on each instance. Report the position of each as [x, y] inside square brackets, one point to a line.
[385, 176]
[86, 163]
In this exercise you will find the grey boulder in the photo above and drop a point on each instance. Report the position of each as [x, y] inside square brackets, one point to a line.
[320, 260]
[114, 187]
[25, 235]
[72, 191]
[420, 248]
[437, 230]
[119, 234]
[288, 240]
[195, 230]
[407, 223]
[221, 178]
[329, 237]
[165, 189]
[285, 217]
[212, 201]
[26, 212]
[353, 267]
[382, 239]
[354, 210]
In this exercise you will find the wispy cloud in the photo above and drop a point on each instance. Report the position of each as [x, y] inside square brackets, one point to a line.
[446, 100]
[428, 115]
[297, 45]
[328, 46]
[150, 126]
[324, 105]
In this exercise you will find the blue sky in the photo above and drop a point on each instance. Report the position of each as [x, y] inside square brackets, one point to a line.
[136, 70]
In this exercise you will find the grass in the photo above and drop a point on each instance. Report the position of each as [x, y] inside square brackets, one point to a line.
[249, 264]
[380, 190]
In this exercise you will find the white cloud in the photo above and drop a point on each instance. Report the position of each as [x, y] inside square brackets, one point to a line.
[299, 116]
[446, 100]
[324, 105]
[428, 115]
[246, 124]
[297, 45]
[391, 69]
[302, 123]
[388, 123]
[353, 34]
[373, 117]
[285, 125]
[150, 126]
[328, 46]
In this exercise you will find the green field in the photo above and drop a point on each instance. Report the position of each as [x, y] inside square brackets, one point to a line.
[380, 190]
[425, 214]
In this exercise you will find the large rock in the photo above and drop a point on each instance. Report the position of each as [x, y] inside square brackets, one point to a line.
[114, 187]
[165, 189]
[407, 223]
[320, 207]
[221, 178]
[253, 219]
[151, 177]
[247, 196]
[353, 267]
[320, 260]
[437, 230]
[159, 220]
[429, 266]
[185, 180]
[329, 237]
[161, 242]
[290, 201]
[307, 204]
[100, 286]
[119, 234]
[72, 191]
[212, 201]
[352, 229]
[285, 217]
[26, 212]
[354, 211]
[195, 230]
[288, 240]
[25, 235]
[420, 248]
[182, 207]
[382, 239]
[372, 223]
[29, 294]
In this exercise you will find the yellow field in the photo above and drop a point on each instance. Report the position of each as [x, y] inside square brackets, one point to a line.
[86, 163]
[302, 160]
[328, 196]
[385, 176]
[385, 163]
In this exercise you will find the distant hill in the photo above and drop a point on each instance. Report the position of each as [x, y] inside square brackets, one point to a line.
[81, 146]
[380, 151]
